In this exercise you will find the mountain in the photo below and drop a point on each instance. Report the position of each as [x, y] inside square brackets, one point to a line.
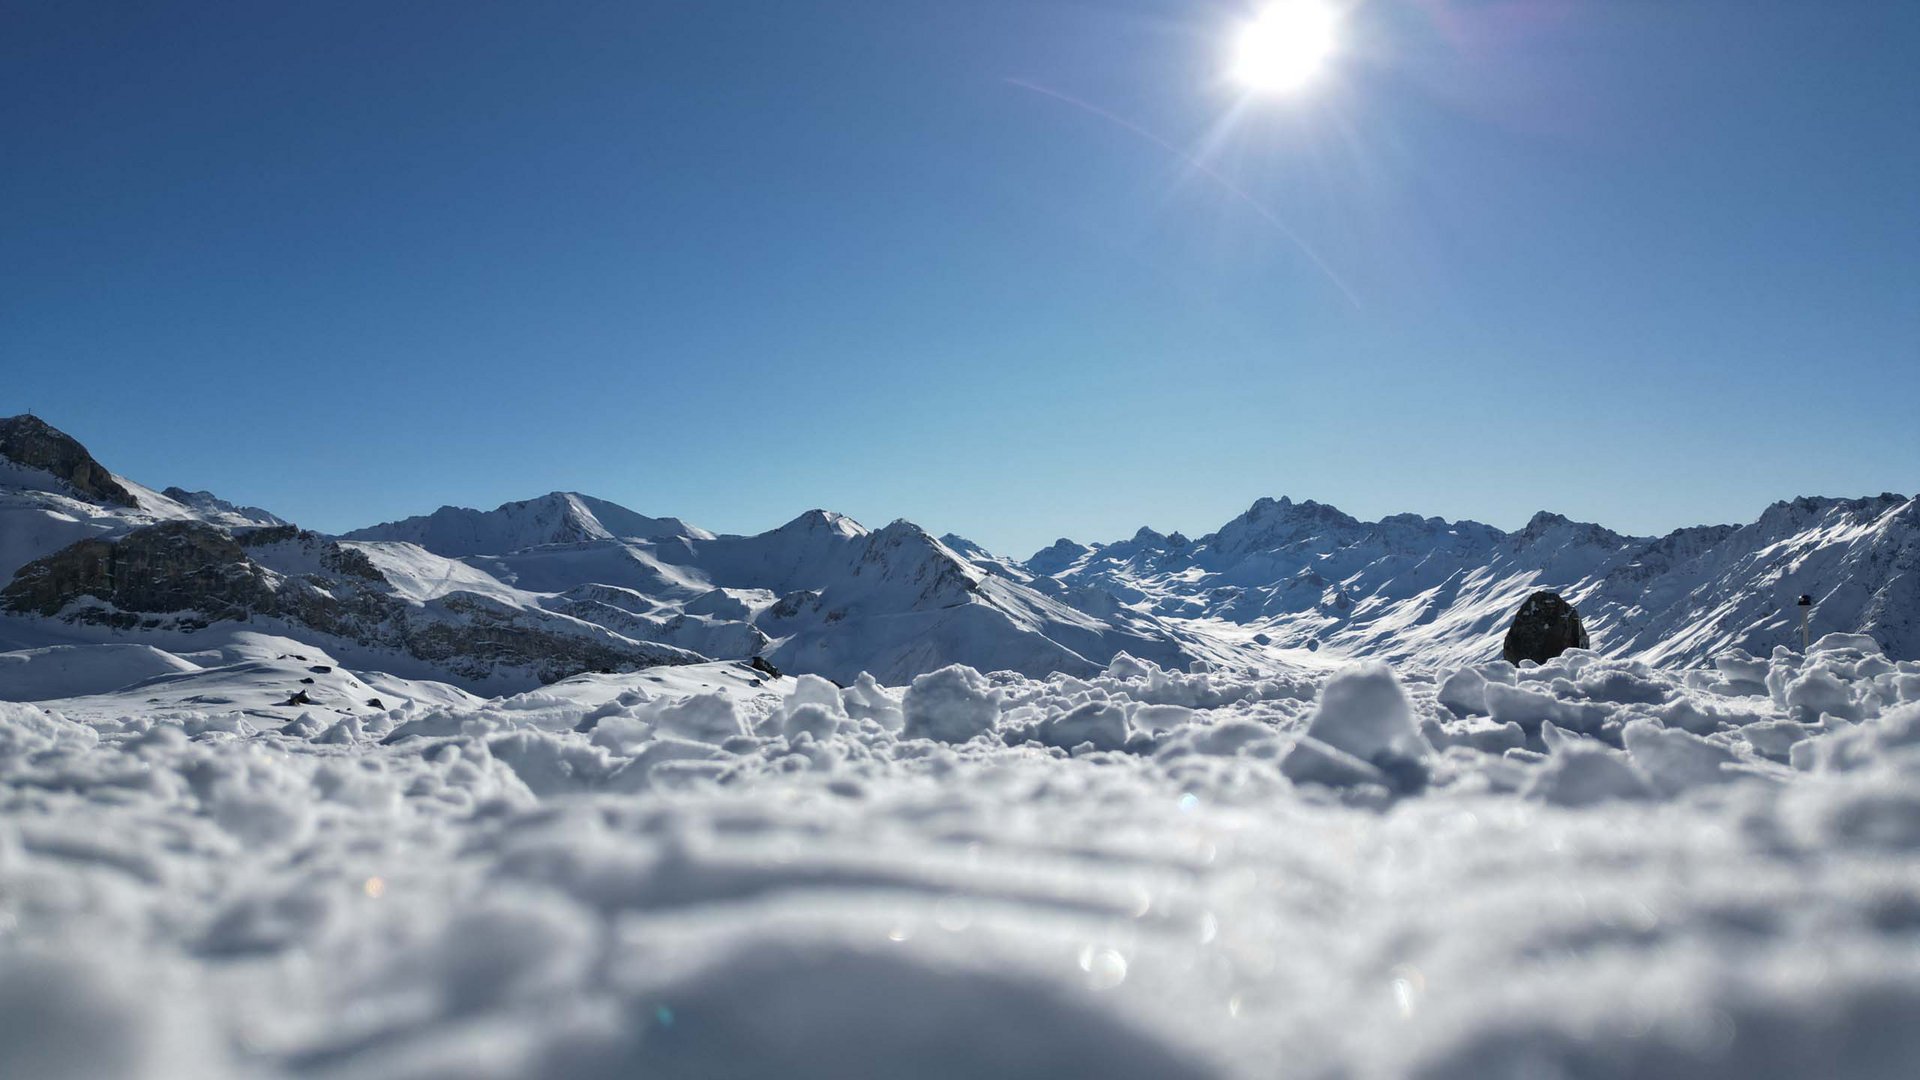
[824, 595]
[1418, 589]
[528, 592]
[31, 445]
[87, 555]
[563, 517]
[539, 590]
[207, 506]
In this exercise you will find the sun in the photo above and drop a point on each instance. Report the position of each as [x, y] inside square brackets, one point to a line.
[1286, 45]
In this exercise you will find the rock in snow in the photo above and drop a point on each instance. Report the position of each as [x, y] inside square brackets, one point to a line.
[1544, 627]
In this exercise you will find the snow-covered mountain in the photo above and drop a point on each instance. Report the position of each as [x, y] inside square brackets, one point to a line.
[1428, 590]
[89, 556]
[821, 594]
[530, 591]
[563, 517]
[542, 589]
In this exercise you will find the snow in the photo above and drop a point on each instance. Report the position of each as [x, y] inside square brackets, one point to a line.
[1425, 591]
[951, 705]
[559, 518]
[60, 671]
[707, 870]
[1364, 711]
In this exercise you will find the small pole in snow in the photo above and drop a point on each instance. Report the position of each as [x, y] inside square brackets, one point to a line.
[1806, 634]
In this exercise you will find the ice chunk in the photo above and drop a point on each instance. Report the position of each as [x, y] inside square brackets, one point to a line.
[1630, 684]
[951, 705]
[1585, 775]
[1775, 739]
[708, 718]
[812, 689]
[1364, 714]
[1464, 692]
[1314, 762]
[1160, 717]
[1740, 666]
[1818, 690]
[812, 719]
[1531, 708]
[1858, 643]
[1098, 722]
[1675, 760]
[1364, 711]
[866, 699]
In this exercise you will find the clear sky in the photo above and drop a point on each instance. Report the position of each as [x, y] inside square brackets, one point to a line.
[1012, 268]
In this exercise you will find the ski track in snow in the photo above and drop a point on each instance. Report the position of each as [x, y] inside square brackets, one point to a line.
[701, 871]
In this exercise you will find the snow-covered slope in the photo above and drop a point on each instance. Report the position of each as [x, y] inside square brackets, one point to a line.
[1429, 590]
[824, 595]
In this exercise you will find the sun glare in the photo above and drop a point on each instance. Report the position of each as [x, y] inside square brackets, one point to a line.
[1286, 45]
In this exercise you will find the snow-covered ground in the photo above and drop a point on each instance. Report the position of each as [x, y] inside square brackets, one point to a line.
[1590, 868]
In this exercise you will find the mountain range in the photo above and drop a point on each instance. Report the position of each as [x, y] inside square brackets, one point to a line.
[539, 590]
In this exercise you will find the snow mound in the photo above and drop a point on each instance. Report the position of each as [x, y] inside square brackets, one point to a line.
[61, 671]
[952, 705]
[1362, 731]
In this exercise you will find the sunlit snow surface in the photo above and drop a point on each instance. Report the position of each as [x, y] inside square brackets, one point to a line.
[704, 872]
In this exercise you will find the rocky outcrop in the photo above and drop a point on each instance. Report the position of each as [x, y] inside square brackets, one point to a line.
[213, 508]
[36, 444]
[1544, 627]
[173, 567]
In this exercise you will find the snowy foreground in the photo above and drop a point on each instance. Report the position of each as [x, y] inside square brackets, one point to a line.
[1582, 869]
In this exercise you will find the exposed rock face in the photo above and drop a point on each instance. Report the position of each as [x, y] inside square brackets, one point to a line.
[216, 509]
[176, 566]
[31, 441]
[1544, 627]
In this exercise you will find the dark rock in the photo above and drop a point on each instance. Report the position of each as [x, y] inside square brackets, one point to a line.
[1544, 627]
[761, 664]
[375, 703]
[31, 441]
[175, 566]
[299, 698]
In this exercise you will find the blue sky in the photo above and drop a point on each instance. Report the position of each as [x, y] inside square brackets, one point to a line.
[1646, 263]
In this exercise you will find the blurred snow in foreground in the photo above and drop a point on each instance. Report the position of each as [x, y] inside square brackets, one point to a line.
[1589, 868]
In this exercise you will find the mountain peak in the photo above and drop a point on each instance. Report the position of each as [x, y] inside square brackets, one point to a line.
[1056, 557]
[824, 521]
[558, 517]
[31, 442]
[1546, 523]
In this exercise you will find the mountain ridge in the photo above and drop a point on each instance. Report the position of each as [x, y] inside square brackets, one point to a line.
[824, 594]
